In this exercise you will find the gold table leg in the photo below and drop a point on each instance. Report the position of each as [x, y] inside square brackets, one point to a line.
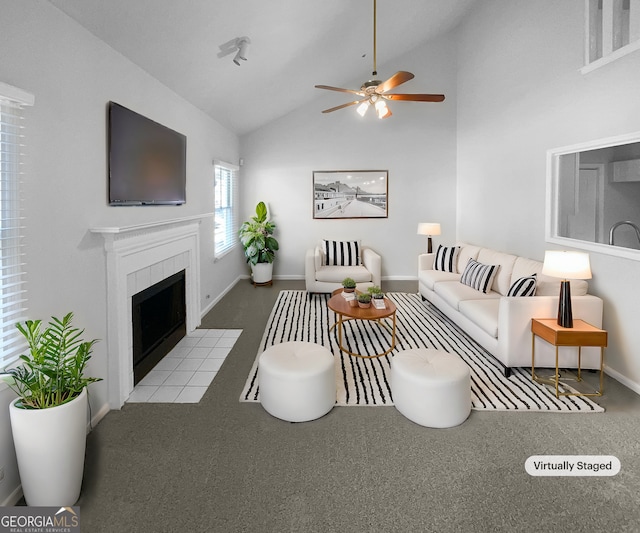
[557, 373]
[378, 321]
[556, 380]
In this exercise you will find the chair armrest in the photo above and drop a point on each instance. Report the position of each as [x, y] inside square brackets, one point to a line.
[310, 266]
[373, 263]
[425, 261]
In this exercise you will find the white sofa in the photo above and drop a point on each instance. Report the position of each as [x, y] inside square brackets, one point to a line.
[502, 324]
[320, 277]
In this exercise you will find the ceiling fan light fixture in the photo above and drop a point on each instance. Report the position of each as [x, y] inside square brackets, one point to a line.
[362, 108]
[382, 109]
[375, 91]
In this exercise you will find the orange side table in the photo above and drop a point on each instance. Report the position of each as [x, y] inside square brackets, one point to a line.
[581, 334]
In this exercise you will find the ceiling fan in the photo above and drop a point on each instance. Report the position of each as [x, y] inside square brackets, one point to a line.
[374, 92]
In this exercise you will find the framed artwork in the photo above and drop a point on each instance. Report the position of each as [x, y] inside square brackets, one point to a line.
[350, 193]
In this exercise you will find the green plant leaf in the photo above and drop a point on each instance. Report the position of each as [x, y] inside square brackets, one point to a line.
[53, 371]
[255, 237]
[261, 212]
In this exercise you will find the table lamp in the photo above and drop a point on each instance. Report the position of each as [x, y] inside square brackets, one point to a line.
[429, 229]
[566, 265]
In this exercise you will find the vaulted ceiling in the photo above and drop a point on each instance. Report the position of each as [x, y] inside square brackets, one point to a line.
[295, 44]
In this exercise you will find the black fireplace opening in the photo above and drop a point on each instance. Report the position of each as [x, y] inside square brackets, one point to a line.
[159, 322]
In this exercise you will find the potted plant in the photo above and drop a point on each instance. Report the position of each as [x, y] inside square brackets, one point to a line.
[259, 245]
[375, 292]
[348, 285]
[49, 417]
[364, 299]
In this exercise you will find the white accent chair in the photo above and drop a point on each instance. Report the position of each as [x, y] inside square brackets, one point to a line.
[320, 277]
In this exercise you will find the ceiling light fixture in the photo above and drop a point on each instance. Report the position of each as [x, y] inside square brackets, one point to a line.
[374, 92]
[382, 109]
[362, 108]
[238, 45]
[243, 43]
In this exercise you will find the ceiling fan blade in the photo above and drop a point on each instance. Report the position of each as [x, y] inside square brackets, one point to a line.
[416, 97]
[344, 105]
[395, 80]
[329, 88]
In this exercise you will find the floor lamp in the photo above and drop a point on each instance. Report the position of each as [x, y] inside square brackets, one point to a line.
[566, 265]
[429, 229]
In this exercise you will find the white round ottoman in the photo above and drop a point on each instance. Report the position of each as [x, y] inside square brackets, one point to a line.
[297, 381]
[431, 387]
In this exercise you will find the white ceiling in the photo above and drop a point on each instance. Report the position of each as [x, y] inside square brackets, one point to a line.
[295, 44]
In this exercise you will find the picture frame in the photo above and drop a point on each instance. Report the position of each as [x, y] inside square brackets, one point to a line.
[350, 194]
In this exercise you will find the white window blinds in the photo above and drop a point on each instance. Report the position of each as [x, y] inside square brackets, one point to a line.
[225, 198]
[12, 285]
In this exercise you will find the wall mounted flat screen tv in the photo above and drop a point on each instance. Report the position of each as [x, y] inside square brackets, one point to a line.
[147, 161]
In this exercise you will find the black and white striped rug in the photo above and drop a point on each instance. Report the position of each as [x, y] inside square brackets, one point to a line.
[298, 317]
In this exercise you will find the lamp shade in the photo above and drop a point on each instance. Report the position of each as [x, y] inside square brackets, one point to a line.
[566, 265]
[428, 228]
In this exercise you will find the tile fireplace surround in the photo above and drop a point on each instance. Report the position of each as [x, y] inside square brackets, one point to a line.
[138, 257]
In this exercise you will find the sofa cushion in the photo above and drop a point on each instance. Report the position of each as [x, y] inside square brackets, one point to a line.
[454, 292]
[524, 267]
[446, 258]
[467, 252]
[502, 281]
[478, 275]
[430, 277]
[336, 274]
[341, 253]
[548, 286]
[525, 286]
[483, 313]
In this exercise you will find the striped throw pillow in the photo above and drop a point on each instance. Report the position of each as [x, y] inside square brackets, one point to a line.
[479, 276]
[446, 258]
[525, 286]
[341, 253]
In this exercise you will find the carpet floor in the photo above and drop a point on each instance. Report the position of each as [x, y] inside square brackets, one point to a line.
[225, 466]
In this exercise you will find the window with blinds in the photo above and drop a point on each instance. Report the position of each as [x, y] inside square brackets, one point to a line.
[612, 31]
[12, 285]
[225, 198]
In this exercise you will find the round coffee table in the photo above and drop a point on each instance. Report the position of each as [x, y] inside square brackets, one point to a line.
[345, 312]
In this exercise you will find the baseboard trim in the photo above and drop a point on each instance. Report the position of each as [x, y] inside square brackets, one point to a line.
[635, 387]
[388, 278]
[100, 414]
[13, 498]
[209, 307]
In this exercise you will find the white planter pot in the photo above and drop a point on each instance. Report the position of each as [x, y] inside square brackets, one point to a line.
[262, 272]
[50, 445]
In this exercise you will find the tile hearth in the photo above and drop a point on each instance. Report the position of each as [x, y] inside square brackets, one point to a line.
[186, 372]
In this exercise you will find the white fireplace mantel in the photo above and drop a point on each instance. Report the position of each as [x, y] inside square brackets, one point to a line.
[138, 257]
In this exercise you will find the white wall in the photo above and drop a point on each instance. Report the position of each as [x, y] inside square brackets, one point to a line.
[520, 93]
[416, 145]
[73, 76]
